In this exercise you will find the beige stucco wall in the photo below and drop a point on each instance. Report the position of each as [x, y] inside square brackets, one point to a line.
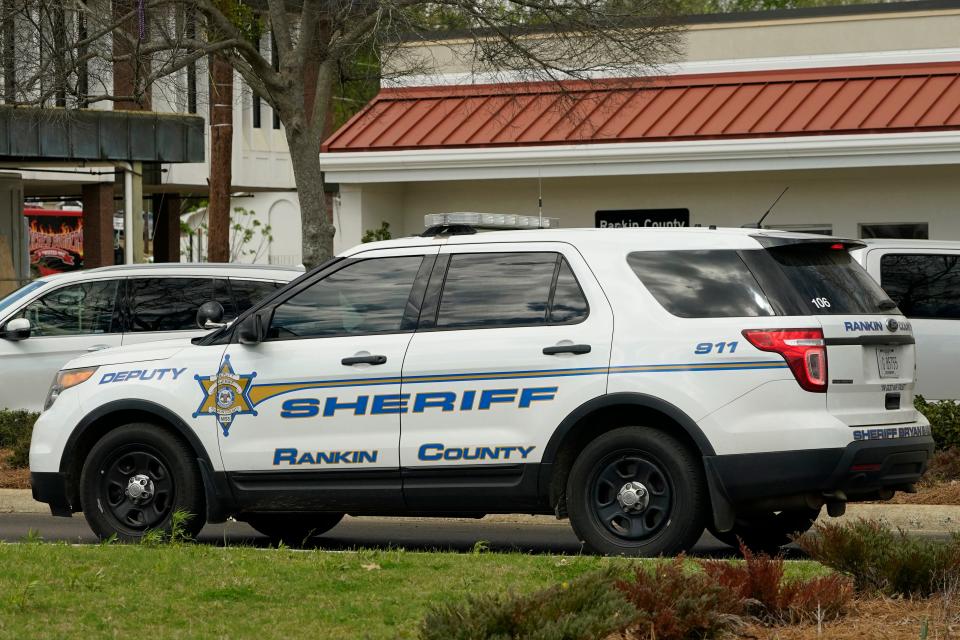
[843, 198]
[763, 39]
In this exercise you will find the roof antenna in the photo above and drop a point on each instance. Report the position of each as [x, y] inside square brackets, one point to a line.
[757, 225]
[539, 200]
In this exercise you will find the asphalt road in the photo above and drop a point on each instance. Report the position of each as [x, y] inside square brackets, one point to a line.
[368, 533]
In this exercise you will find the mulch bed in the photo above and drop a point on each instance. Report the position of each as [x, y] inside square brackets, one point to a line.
[12, 478]
[875, 619]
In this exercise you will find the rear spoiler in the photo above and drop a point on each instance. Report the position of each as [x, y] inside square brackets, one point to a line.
[770, 241]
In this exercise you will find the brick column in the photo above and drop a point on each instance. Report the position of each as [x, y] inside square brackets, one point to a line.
[98, 207]
[166, 229]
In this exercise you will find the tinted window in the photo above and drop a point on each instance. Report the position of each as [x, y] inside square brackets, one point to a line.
[701, 284]
[826, 280]
[923, 286]
[569, 304]
[911, 231]
[79, 309]
[364, 297]
[496, 290]
[170, 304]
[247, 293]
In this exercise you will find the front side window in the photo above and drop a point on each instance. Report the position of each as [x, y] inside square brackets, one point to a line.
[701, 284]
[486, 290]
[369, 296]
[73, 310]
[923, 285]
[171, 304]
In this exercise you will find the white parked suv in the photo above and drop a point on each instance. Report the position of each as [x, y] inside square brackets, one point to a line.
[56, 318]
[647, 383]
[923, 278]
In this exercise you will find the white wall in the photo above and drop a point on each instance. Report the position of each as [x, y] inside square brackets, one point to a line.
[843, 198]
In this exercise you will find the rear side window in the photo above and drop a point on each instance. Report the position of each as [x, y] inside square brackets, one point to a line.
[170, 304]
[487, 290]
[923, 285]
[701, 284]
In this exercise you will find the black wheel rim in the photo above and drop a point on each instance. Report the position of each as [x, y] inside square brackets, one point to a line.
[631, 522]
[132, 508]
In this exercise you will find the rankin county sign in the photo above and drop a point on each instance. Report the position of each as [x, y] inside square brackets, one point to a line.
[630, 218]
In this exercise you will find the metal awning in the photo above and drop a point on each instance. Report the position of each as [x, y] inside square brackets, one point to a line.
[33, 134]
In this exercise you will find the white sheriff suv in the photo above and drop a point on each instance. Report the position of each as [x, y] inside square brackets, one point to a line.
[648, 384]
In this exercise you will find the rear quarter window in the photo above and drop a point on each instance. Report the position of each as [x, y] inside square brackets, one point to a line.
[701, 284]
[923, 285]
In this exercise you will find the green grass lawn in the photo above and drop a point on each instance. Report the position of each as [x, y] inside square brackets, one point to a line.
[197, 591]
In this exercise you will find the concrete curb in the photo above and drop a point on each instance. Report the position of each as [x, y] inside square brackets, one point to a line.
[20, 501]
[918, 518]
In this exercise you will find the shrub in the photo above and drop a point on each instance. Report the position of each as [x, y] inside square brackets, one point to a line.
[759, 581]
[944, 419]
[882, 560]
[583, 609]
[15, 430]
[675, 604]
[944, 466]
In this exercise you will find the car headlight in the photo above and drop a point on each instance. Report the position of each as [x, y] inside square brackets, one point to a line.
[65, 379]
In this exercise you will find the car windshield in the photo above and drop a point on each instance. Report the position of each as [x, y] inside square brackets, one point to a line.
[20, 294]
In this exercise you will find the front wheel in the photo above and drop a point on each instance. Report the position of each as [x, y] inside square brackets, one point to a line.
[637, 491]
[135, 479]
[293, 529]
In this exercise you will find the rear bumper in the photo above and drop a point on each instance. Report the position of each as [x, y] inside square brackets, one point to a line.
[862, 471]
[51, 488]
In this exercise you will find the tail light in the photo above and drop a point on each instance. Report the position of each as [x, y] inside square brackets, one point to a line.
[803, 349]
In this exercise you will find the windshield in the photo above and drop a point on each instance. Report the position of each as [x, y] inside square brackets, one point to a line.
[20, 294]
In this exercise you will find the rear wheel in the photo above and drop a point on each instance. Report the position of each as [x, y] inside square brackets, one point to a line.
[135, 479]
[293, 529]
[767, 532]
[637, 491]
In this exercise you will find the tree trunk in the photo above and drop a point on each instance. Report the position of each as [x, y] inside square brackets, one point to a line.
[317, 227]
[221, 156]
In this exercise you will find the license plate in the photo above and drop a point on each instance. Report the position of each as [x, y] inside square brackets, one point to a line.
[887, 362]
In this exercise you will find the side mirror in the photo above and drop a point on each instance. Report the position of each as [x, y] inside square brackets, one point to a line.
[210, 315]
[16, 330]
[250, 330]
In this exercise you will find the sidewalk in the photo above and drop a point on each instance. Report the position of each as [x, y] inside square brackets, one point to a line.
[909, 517]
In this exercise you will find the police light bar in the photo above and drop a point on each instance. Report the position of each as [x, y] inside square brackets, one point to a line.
[490, 220]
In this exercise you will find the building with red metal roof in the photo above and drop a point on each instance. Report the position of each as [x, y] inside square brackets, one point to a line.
[856, 109]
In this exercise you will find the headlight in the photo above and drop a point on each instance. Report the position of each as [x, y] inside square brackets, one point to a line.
[65, 379]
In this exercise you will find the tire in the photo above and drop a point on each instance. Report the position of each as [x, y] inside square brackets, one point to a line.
[767, 532]
[293, 529]
[599, 500]
[161, 464]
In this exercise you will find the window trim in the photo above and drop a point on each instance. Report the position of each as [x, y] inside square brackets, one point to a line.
[438, 282]
[411, 307]
[116, 320]
[932, 252]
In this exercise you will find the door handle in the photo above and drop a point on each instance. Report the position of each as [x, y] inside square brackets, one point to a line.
[375, 360]
[98, 347]
[577, 349]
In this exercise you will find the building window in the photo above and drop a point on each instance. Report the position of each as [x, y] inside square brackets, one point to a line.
[256, 96]
[907, 231]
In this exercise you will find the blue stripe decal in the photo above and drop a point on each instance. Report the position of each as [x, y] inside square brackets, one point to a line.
[531, 373]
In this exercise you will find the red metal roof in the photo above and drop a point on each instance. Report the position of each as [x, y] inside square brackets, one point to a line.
[888, 98]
